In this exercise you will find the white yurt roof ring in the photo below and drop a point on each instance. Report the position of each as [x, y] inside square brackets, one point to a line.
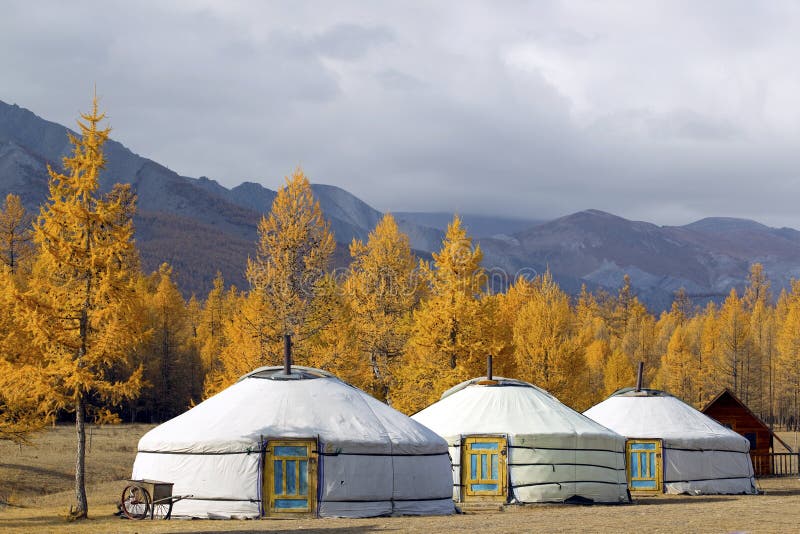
[633, 392]
[497, 381]
[298, 372]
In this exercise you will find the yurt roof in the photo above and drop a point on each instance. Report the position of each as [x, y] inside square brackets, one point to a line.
[267, 404]
[298, 372]
[504, 406]
[651, 413]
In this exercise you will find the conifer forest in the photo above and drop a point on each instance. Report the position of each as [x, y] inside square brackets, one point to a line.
[85, 333]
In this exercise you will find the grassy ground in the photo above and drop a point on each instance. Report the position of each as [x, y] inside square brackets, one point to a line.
[36, 484]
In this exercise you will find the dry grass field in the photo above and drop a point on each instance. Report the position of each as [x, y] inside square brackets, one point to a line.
[36, 490]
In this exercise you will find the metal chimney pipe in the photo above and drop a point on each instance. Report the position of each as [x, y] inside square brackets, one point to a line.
[287, 354]
[639, 377]
[489, 367]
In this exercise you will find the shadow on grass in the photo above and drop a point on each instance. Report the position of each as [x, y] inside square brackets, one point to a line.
[54, 524]
[257, 527]
[783, 492]
[687, 499]
[38, 470]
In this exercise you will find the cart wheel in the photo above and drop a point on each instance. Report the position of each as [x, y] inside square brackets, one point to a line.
[162, 509]
[135, 502]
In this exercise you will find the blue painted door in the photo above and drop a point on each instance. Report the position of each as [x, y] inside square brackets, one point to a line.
[483, 468]
[644, 465]
[290, 479]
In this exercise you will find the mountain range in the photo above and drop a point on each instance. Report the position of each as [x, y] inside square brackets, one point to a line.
[201, 227]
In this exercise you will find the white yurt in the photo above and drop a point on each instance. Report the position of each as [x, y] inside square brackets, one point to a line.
[674, 448]
[511, 441]
[296, 445]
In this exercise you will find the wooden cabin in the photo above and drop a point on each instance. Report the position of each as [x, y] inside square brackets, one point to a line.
[731, 412]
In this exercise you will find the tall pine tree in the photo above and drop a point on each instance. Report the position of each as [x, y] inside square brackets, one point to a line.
[15, 234]
[381, 290]
[291, 290]
[446, 345]
[81, 290]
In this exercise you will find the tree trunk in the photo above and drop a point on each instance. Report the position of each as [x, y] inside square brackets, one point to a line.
[82, 508]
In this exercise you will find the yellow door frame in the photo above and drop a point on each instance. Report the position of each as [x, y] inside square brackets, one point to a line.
[484, 462]
[270, 497]
[635, 482]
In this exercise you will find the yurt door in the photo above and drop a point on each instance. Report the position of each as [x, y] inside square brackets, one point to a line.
[483, 468]
[644, 465]
[290, 477]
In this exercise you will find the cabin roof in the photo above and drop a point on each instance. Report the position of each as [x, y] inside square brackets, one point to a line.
[729, 394]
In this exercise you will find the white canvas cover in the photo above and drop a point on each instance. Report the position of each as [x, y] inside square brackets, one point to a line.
[373, 459]
[700, 456]
[555, 454]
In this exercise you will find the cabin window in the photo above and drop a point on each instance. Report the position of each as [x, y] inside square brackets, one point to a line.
[751, 437]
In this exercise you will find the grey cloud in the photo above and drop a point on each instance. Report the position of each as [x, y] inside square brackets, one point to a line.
[654, 112]
[350, 41]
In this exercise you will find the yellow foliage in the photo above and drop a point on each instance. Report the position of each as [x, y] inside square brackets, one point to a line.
[446, 345]
[788, 361]
[81, 297]
[381, 290]
[548, 352]
[215, 320]
[618, 373]
[15, 235]
[733, 346]
[169, 356]
[500, 313]
[679, 367]
[291, 291]
[24, 393]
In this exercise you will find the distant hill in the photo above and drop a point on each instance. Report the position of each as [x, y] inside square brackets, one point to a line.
[200, 227]
[707, 257]
[196, 224]
[476, 225]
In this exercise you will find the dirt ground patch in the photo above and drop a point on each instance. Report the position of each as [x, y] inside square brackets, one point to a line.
[36, 491]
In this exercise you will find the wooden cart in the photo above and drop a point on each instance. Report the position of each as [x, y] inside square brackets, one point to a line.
[153, 498]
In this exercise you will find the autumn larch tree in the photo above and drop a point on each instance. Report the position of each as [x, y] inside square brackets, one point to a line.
[446, 345]
[759, 368]
[15, 234]
[381, 290]
[290, 287]
[788, 360]
[25, 401]
[594, 337]
[678, 373]
[24, 397]
[217, 312]
[547, 350]
[733, 347]
[81, 290]
[169, 357]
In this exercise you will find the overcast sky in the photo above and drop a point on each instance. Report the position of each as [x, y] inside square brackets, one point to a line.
[661, 111]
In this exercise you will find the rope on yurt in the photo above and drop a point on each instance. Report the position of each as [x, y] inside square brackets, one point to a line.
[576, 464]
[320, 473]
[188, 453]
[226, 499]
[262, 461]
[703, 450]
[571, 482]
[340, 453]
[563, 449]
